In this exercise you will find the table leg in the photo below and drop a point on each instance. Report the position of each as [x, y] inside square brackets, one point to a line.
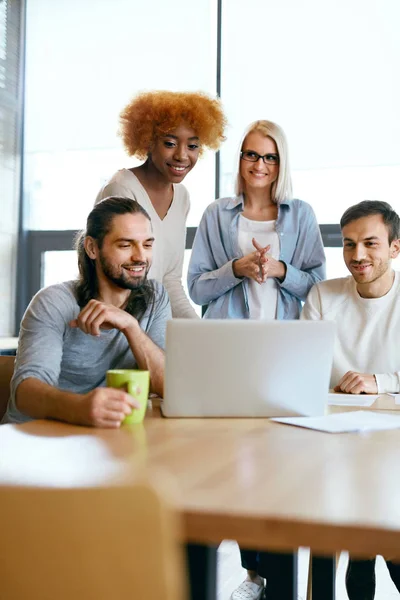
[202, 563]
[323, 577]
[280, 571]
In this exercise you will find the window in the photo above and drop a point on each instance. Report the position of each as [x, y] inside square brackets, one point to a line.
[61, 265]
[85, 60]
[11, 19]
[327, 73]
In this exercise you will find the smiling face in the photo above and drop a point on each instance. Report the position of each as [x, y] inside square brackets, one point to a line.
[258, 174]
[174, 154]
[124, 258]
[366, 249]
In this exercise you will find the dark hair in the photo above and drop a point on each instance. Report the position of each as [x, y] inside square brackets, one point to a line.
[98, 225]
[366, 208]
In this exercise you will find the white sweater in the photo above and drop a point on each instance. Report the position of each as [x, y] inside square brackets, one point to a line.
[169, 234]
[367, 329]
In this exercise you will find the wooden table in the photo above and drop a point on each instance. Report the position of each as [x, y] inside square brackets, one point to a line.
[252, 480]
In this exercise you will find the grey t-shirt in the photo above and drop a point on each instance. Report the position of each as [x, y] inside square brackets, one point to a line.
[65, 357]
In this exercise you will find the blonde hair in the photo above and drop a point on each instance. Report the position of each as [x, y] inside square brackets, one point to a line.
[282, 187]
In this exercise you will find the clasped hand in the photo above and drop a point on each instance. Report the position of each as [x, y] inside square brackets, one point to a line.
[254, 265]
[357, 383]
[97, 315]
[259, 265]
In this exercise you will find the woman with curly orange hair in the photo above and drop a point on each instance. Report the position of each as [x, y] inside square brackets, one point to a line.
[169, 131]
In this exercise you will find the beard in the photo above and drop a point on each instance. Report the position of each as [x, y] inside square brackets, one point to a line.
[378, 270]
[121, 277]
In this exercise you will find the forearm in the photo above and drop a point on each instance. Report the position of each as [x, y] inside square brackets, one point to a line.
[40, 400]
[148, 355]
[298, 282]
[206, 287]
[388, 383]
[277, 270]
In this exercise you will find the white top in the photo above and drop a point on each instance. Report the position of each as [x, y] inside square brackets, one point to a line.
[263, 297]
[367, 330]
[169, 234]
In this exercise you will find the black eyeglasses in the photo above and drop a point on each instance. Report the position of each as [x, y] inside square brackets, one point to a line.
[251, 156]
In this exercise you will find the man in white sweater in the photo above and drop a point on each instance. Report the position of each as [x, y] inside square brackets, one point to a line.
[366, 305]
[366, 309]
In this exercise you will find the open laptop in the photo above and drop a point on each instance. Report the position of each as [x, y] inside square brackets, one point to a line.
[246, 368]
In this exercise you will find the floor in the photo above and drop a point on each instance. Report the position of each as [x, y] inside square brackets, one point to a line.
[231, 574]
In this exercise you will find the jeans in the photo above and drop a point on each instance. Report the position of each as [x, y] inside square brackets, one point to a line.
[279, 569]
[360, 578]
[202, 566]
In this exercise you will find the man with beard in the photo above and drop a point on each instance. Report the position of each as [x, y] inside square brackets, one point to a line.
[112, 317]
[366, 309]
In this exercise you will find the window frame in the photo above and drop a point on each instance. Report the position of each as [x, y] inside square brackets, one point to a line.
[32, 244]
[39, 242]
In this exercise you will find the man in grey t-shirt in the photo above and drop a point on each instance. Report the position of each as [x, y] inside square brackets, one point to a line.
[112, 317]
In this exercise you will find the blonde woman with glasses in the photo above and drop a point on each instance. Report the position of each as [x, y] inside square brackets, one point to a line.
[256, 255]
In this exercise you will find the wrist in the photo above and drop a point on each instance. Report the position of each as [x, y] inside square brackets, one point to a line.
[131, 325]
[72, 409]
[282, 270]
[65, 406]
[236, 268]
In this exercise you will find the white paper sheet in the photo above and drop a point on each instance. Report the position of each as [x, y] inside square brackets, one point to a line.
[359, 420]
[337, 399]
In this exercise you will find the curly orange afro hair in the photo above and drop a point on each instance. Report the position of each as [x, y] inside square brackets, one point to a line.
[151, 114]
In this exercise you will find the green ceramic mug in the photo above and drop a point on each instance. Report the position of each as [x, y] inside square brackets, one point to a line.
[136, 383]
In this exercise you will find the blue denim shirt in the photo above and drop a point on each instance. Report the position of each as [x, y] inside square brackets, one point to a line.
[211, 279]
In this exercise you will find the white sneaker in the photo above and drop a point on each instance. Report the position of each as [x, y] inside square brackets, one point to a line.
[248, 590]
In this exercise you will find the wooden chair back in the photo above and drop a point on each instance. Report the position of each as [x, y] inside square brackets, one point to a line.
[114, 543]
[6, 372]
